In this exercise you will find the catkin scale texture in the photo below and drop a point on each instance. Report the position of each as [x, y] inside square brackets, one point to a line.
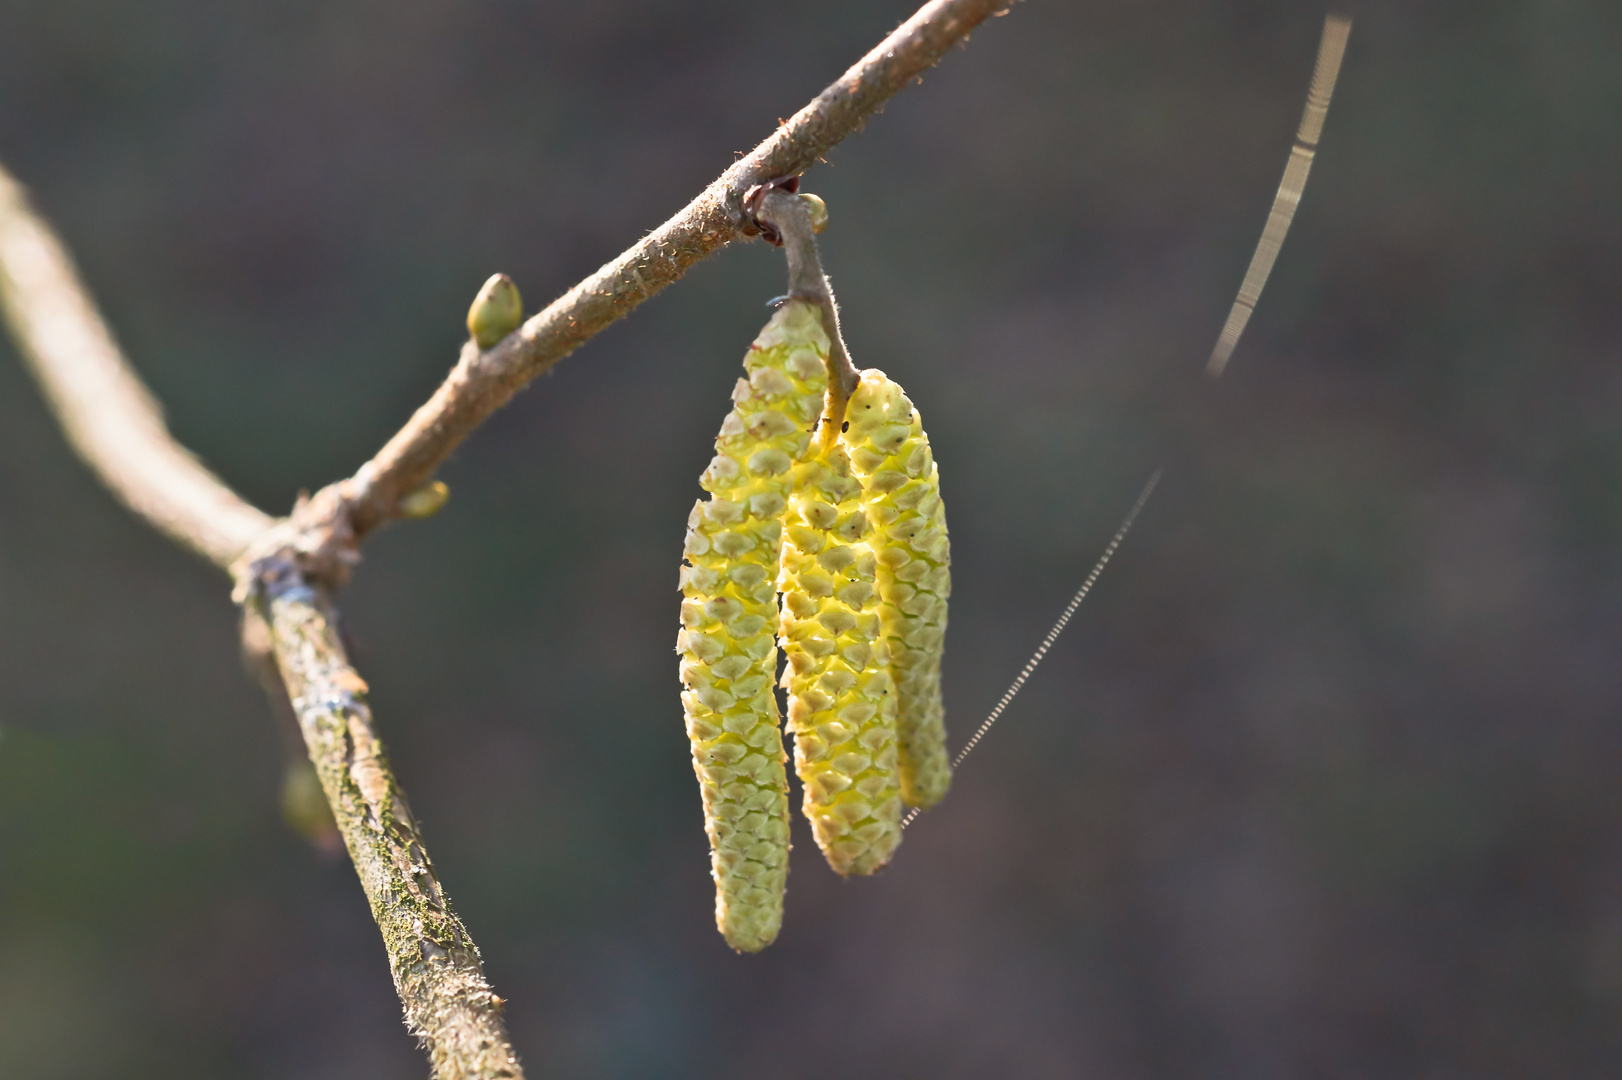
[890, 454]
[729, 616]
[842, 701]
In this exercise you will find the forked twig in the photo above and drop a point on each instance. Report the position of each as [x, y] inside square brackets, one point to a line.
[285, 568]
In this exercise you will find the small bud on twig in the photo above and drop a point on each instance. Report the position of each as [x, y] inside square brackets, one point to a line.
[818, 209]
[496, 312]
[423, 502]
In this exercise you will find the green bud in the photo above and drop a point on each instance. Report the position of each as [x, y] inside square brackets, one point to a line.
[423, 502]
[819, 211]
[496, 312]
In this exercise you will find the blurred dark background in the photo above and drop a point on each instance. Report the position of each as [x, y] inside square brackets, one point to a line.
[1324, 779]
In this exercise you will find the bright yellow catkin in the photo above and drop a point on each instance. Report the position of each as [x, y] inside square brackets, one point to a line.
[729, 614]
[842, 701]
[889, 453]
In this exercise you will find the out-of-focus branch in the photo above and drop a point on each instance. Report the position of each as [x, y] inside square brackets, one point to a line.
[117, 427]
[283, 567]
[110, 418]
[448, 1002]
[483, 382]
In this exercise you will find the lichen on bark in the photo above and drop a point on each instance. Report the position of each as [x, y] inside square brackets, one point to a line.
[437, 971]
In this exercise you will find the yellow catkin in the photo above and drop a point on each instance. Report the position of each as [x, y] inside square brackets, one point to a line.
[729, 615]
[842, 701]
[890, 454]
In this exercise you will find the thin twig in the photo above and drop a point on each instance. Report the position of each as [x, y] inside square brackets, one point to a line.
[110, 418]
[448, 1002]
[788, 215]
[283, 566]
[117, 427]
[483, 382]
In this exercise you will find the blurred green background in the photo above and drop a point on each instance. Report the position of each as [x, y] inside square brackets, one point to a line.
[1324, 781]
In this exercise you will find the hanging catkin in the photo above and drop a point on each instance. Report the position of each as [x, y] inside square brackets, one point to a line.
[729, 614]
[842, 701]
[901, 494]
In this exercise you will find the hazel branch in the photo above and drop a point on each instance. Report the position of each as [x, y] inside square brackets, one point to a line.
[448, 1002]
[482, 382]
[109, 417]
[283, 566]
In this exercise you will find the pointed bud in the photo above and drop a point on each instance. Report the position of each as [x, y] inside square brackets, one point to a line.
[423, 502]
[496, 312]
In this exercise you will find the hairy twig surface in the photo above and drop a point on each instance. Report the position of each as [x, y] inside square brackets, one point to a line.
[448, 1003]
[789, 217]
[483, 382]
[284, 568]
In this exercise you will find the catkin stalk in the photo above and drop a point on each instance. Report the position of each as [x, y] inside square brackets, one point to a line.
[890, 454]
[729, 614]
[842, 701]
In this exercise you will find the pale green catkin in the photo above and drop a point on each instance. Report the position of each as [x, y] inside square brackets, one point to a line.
[729, 614]
[842, 701]
[901, 494]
